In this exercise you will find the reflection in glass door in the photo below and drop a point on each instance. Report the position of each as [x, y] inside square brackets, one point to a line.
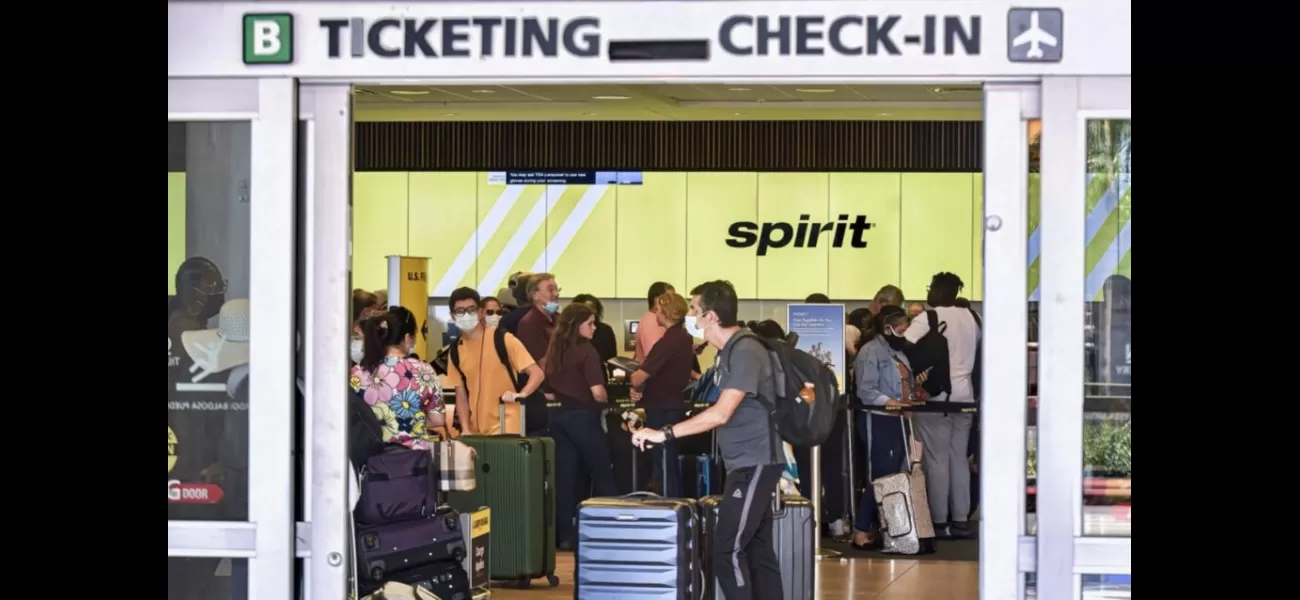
[229, 521]
[1084, 427]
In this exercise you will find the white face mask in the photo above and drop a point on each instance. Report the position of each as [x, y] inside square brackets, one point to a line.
[491, 320]
[692, 327]
[466, 322]
[357, 350]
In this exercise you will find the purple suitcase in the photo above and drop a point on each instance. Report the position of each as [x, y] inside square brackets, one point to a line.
[399, 484]
[383, 550]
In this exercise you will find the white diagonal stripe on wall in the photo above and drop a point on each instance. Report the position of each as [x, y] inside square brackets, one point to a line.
[569, 228]
[486, 229]
[536, 217]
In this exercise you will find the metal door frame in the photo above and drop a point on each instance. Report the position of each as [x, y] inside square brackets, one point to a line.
[1063, 554]
[266, 539]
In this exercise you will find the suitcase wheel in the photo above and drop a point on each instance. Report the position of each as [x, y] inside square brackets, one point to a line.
[553, 579]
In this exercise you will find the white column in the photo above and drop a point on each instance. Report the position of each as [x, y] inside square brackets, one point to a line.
[328, 259]
[1060, 346]
[1002, 409]
[271, 348]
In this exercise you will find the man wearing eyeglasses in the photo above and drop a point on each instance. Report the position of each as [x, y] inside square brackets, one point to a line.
[480, 367]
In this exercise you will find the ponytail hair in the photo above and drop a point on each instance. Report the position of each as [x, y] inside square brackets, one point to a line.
[382, 332]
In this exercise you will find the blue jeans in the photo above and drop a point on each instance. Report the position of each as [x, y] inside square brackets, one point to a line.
[883, 439]
[579, 444]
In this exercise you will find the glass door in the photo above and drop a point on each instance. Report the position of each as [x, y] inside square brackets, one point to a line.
[230, 170]
[1084, 426]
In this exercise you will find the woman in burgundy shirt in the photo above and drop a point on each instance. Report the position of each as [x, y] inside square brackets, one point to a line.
[576, 377]
[657, 385]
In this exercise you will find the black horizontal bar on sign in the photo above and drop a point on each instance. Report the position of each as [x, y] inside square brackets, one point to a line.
[811, 146]
[658, 50]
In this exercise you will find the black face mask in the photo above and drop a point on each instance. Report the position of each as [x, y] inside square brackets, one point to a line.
[897, 342]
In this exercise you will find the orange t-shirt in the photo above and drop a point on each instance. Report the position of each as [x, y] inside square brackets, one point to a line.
[487, 379]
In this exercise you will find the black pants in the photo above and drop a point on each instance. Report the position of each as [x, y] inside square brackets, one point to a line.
[579, 444]
[833, 476]
[744, 560]
[665, 472]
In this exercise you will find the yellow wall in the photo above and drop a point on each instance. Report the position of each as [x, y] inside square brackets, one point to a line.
[613, 241]
[175, 227]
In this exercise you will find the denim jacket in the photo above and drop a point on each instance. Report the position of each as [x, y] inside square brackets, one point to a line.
[877, 373]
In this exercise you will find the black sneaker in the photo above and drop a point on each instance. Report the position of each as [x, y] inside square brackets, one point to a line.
[960, 530]
[941, 531]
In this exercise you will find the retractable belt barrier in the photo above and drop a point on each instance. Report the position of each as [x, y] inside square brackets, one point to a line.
[921, 407]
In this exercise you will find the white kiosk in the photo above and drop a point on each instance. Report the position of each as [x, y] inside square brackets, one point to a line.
[272, 63]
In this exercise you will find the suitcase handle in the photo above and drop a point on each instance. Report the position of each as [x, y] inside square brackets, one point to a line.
[522, 416]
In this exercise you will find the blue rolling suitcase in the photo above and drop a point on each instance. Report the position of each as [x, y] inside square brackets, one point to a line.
[641, 546]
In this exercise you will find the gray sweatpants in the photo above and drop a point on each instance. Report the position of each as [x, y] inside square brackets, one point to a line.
[947, 472]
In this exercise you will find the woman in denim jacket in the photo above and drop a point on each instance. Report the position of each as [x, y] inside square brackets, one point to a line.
[884, 379]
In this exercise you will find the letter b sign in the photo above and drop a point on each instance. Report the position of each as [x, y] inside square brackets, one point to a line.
[268, 39]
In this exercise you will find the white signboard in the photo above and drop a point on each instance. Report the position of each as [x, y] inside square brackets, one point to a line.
[662, 41]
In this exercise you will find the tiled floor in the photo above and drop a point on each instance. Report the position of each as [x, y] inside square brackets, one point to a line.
[858, 579]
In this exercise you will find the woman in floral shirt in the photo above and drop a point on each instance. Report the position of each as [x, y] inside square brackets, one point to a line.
[402, 391]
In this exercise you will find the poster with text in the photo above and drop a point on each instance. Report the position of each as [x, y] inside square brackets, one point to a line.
[821, 333]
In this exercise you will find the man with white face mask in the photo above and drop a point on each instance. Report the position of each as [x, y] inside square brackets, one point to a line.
[483, 367]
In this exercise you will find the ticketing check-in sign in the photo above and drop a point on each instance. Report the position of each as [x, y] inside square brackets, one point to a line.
[660, 41]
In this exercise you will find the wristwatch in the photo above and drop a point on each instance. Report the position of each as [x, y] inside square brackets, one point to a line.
[668, 433]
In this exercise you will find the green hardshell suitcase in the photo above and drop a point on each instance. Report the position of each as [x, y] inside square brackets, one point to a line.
[516, 479]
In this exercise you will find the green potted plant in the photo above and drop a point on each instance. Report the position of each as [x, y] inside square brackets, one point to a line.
[1108, 449]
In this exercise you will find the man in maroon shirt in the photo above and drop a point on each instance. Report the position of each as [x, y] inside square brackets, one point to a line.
[535, 331]
[537, 326]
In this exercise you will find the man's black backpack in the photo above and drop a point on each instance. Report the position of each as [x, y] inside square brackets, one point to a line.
[534, 405]
[931, 352]
[802, 421]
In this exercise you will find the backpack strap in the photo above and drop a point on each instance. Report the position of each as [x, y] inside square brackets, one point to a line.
[503, 354]
[935, 325]
[453, 355]
[978, 322]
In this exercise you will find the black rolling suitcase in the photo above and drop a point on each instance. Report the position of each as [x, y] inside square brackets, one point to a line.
[640, 545]
[792, 538]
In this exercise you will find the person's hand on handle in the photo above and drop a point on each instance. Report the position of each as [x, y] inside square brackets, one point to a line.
[634, 394]
[510, 397]
[646, 436]
[896, 403]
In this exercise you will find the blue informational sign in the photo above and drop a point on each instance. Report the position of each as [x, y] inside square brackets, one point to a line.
[821, 333]
[565, 177]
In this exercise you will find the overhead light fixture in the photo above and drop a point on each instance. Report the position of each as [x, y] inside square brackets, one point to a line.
[884, 114]
[738, 90]
[482, 91]
[611, 97]
[409, 92]
[448, 114]
[814, 90]
[737, 114]
[588, 114]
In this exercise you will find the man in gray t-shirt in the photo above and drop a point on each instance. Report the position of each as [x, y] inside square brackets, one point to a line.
[744, 560]
[746, 439]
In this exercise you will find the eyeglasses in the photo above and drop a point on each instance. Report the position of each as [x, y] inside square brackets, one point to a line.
[492, 312]
[460, 312]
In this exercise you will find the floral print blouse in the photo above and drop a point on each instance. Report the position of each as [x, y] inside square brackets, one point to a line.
[401, 391]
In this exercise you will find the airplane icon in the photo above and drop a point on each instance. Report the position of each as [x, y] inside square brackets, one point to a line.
[1035, 36]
